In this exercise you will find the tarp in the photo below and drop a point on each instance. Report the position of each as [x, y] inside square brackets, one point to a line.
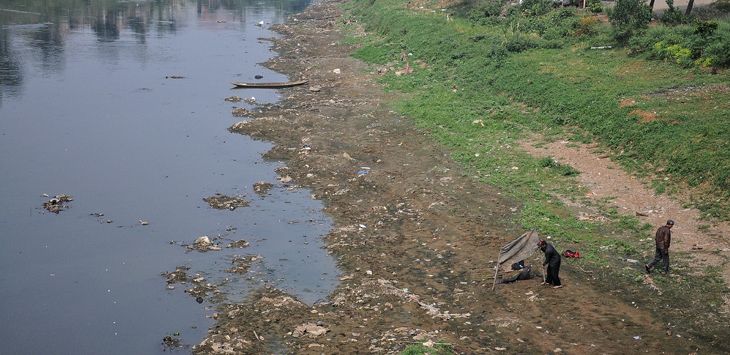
[518, 249]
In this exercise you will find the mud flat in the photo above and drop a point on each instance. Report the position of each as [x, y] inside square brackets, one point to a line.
[414, 234]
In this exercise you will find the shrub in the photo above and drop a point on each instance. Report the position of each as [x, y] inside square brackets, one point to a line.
[486, 11]
[628, 18]
[536, 7]
[673, 16]
[586, 26]
[673, 52]
[719, 53]
[595, 6]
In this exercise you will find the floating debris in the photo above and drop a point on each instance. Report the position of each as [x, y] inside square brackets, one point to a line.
[178, 276]
[233, 99]
[238, 244]
[204, 243]
[174, 77]
[57, 203]
[220, 202]
[262, 187]
[241, 264]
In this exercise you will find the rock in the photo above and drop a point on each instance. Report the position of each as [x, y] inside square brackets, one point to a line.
[309, 329]
[258, 76]
[315, 88]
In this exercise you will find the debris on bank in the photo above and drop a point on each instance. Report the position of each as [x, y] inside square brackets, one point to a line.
[239, 112]
[57, 203]
[309, 329]
[221, 202]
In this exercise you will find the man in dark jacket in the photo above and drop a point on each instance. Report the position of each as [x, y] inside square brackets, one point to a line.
[552, 260]
[663, 238]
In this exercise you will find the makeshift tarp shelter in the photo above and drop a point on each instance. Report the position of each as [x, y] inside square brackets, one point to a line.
[516, 250]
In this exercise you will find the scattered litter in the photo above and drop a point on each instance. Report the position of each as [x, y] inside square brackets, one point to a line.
[637, 337]
[602, 47]
[260, 23]
[258, 76]
[57, 203]
[337, 71]
[315, 88]
[143, 222]
[251, 100]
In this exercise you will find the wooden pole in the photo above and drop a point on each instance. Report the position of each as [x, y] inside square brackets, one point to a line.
[496, 269]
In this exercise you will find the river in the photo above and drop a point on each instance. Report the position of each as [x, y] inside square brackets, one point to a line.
[88, 108]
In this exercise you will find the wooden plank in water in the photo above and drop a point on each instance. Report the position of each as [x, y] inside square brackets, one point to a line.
[239, 85]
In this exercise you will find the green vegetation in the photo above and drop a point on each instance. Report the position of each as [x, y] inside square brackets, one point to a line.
[491, 74]
[437, 349]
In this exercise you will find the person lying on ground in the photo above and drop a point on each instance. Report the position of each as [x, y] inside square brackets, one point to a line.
[524, 274]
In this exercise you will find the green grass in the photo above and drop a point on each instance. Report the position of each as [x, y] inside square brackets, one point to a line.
[437, 349]
[479, 98]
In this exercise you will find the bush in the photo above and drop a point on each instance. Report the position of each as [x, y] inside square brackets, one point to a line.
[586, 26]
[673, 52]
[628, 18]
[595, 6]
[718, 53]
[536, 7]
[673, 16]
[486, 11]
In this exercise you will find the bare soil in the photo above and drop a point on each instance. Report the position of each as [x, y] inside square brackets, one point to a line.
[414, 235]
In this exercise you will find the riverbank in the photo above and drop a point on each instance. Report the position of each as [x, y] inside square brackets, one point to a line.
[416, 230]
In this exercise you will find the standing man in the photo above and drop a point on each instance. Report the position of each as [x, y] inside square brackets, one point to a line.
[552, 260]
[663, 239]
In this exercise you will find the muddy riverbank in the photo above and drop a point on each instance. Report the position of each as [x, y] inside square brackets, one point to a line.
[414, 234]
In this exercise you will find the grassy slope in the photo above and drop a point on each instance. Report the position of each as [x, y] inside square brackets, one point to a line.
[478, 99]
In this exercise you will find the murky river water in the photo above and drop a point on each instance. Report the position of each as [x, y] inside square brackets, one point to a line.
[86, 110]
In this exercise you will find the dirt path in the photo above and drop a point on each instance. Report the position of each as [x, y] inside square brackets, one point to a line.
[413, 234]
[702, 240]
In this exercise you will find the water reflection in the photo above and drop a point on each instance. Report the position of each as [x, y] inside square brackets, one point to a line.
[97, 119]
[55, 20]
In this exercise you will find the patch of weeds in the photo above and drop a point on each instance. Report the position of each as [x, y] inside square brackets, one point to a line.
[437, 349]
[659, 187]
[562, 169]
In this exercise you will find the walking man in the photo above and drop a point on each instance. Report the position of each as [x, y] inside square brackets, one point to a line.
[663, 239]
[552, 260]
